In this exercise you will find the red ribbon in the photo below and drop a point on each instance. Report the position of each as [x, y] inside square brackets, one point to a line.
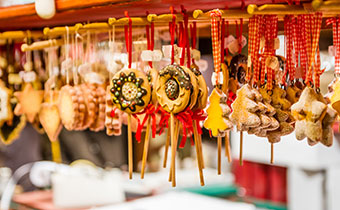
[227, 35]
[222, 40]
[150, 38]
[240, 36]
[164, 121]
[113, 111]
[197, 116]
[128, 35]
[193, 31]
[185, 117]
[181, 42]
[172, 28]
[149, 111]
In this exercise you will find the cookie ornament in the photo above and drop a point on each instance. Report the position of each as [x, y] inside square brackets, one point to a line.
[217, 121]
[131, 91]
[6, 113]
[30, 101]
[173, 90]
[151, 108]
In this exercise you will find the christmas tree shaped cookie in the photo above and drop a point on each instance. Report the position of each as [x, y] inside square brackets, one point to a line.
[217, 121]
[244, 109]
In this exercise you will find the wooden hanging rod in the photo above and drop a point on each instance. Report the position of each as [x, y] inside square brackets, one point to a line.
[21, 34]
[232, 14]
[124, 21]
[39, 45]
[163, 18]
[277, 9]
[326, 6]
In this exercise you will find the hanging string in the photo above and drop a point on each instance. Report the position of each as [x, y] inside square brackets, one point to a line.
[128, 39]
[297, 49]
[240, 36]
[317, 65]
[227, 35]
[186, 43]
[215, 20]
[172, 29]
[181, 42]
[251, 47]
[67, 46]
[193, 32]
[336, 42]
[303, 45]
[222, 39]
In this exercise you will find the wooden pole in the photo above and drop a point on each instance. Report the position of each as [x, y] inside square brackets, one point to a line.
[227, 146]
[173, 150]
[241, 148]
[271, 153]
[130, 147]
[56, 154]
[146, 147]
[201, 150]
[167, 143]
[219, 148]
[198, 154]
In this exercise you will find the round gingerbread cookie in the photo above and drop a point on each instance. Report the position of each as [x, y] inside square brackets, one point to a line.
[130, 90]
[173, 88]
[152, 78]
[194, 89]
[202, 98]
[99, 123]
[68, 107]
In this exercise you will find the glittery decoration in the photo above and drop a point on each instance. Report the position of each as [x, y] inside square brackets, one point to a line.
[127, 91]
[172, 89]
[177, 71]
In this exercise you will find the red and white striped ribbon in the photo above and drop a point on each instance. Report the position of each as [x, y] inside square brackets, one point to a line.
[336, 41]
[215, 37]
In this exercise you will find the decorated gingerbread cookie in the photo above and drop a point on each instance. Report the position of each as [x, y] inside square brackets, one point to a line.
[130, 90]
[173, 88]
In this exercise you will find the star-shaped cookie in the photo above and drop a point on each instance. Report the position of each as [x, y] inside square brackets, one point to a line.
[30, 101]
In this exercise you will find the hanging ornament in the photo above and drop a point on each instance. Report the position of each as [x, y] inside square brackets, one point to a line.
[6, 113]
[130, 91]
[217, 121]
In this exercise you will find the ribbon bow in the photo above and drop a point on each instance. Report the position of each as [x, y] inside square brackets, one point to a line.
[164, 121]
[197, 116]
[186, 119]
[215, 13]
[149, 111]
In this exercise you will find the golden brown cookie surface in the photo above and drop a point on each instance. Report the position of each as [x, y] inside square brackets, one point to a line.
[131, 91]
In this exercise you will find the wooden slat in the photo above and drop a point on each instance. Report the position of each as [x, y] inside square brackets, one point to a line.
[17, 11]
[70, 12]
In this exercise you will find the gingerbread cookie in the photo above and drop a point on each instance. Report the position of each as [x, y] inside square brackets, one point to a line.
[99, 123]
[152, 78]
[173, 88]
[218, 114]
[69, 107]
[309, 113]
[194, 89]
[202, 98]
[113, 119]
[6, 113]
[30, 101]
[50, 120]
[130, 90]
[244, 109]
